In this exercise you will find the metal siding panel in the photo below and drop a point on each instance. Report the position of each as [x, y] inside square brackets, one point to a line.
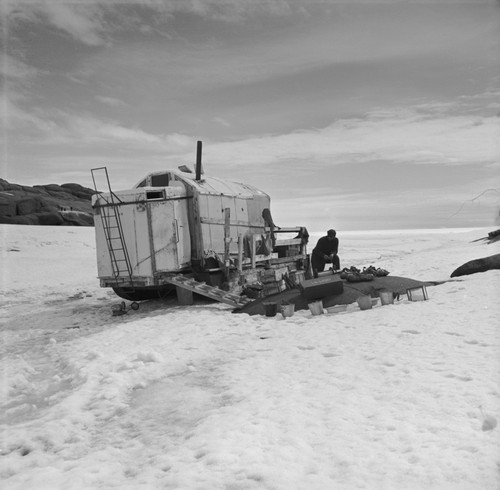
[232, 204]
[103, 260]
[205, 203]
[184, 237]
[141, 259]
[255, 207]
[164, 235]
[216, 206]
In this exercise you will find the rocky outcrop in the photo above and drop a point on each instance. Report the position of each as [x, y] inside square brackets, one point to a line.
[52, 204]
[493, 236]
[478, 265]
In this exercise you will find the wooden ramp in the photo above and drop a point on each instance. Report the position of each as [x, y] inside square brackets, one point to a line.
[213, 292]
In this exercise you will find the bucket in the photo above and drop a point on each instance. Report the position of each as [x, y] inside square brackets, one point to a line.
[386, 297]
[271, 309]
[287, 310]
[316, 307]
[364, 302]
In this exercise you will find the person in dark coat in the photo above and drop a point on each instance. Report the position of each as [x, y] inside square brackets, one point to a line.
[326, 251]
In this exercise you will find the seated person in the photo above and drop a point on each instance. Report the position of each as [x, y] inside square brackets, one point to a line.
[326, 250]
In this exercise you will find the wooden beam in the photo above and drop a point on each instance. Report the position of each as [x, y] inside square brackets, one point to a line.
[227, 238]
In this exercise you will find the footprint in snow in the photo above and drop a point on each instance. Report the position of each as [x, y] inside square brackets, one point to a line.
[489, 422]
[329, 354]
[461, 378]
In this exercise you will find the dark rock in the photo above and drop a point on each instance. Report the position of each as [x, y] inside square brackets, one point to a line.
[53, 219]
[478, 265]
[50, 204]
[7, 186]
[28, 206]
[30, 219]
[73, 218]
[493, 236]
[79, 191]
[7, 208]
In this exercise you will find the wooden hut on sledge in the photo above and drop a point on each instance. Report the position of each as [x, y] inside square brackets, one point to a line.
[202, 234]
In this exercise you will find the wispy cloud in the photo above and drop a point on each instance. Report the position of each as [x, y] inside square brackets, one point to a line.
[14, 69]
[89, 23]
[86, 129]
[221, 121]
[392, 209]
[404, 136]
[111, 101]
[21, 123]
[81, 21]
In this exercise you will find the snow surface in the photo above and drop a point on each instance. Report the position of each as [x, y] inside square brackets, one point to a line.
[404, 396]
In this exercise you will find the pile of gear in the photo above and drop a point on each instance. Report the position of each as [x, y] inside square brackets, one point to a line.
[353, 274]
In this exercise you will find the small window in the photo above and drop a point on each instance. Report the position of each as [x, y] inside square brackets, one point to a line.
[160, 180]
[142, 184]
[155, 195]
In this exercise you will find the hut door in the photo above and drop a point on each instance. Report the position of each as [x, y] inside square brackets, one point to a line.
[168, 235]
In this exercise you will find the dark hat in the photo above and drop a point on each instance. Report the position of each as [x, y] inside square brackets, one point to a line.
[331, 233]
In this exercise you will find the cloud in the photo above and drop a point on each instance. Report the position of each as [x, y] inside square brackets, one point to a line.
[58, 130]
[403, 136]
[221, 121]
[15, 69]
[17, 77]
[82, 21]
[93, 22]
[87, 129]
[391, 209]
[111, 101]
[30, 125]
[18, 120]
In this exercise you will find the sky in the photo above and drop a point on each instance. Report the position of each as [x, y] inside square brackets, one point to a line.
[367, 114]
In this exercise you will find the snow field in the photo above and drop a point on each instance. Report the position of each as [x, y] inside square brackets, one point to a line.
[198, 397]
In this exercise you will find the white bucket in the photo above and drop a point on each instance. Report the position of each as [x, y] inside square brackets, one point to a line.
[364, 302]
[316, 307]
[287, 310]
[386, 297]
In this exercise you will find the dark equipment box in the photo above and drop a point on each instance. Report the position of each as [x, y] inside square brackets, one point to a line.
[321, 287]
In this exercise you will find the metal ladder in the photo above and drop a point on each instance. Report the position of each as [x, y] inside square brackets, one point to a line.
[108, 207]
[213, 292]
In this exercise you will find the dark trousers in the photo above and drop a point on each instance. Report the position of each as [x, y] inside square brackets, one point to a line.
[318, 263]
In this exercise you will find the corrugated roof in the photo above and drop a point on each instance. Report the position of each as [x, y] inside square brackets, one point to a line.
[215, 185]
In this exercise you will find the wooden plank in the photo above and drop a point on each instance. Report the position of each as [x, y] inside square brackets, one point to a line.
[227, 239]
[240, 252]
[290, 241]
[234, 222]
[284, 260]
